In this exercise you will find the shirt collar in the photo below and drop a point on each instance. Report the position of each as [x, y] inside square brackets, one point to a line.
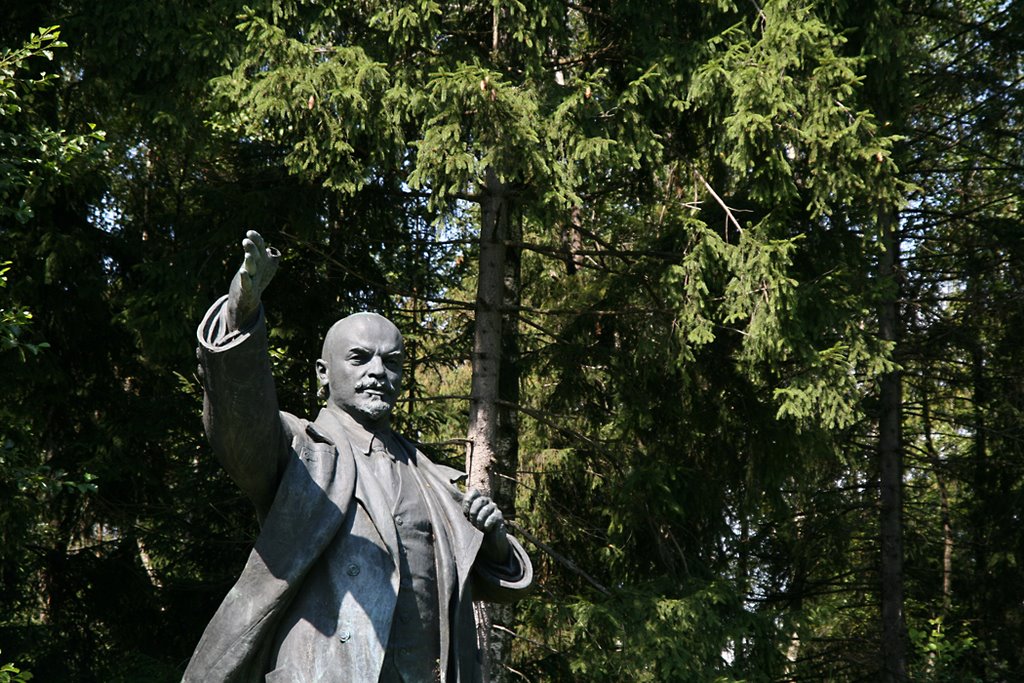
[361, 438]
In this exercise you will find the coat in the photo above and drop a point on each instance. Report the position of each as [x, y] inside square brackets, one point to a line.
[305, 481]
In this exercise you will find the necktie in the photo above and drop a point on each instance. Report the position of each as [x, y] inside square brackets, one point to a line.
[386, 470]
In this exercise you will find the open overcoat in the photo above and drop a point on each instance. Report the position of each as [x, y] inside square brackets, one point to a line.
[310, 490]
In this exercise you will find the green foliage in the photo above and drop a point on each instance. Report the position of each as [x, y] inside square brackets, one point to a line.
[943, 655]
[791, 105]
[31, 153]
[14, 320]
[694, 188]
[322, 100]
[12, 674]
[644, 635]
[350, 94]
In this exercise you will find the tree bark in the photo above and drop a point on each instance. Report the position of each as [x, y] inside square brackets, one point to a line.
[487, 338]
[493, 436]
[890, 456]
[945, 512]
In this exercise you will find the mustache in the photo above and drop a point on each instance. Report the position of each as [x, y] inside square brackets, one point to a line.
[372, 384]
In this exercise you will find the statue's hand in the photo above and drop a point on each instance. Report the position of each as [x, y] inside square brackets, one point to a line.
[252, 278]
[481, 511]
[486, 516]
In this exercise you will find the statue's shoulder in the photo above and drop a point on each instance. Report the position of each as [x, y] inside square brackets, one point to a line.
[297, 429]
[307, 436]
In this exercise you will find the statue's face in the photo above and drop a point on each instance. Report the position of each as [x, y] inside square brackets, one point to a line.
[362, 367]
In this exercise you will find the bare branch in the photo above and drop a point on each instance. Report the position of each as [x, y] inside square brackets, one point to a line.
[558, 557]
[721, 202]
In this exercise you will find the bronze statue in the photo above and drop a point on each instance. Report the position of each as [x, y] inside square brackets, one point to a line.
[369, 557]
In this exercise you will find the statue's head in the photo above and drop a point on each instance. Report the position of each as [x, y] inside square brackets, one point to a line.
[361, 367]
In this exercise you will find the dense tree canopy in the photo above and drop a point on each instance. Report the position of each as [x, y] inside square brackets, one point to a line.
[724, 298]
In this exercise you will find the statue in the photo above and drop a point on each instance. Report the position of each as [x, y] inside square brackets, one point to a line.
[368, 557]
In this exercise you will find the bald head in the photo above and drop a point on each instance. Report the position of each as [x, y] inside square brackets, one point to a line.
[362, 367]
[363, 324]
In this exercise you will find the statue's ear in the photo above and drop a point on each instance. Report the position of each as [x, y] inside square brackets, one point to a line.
[322, 373]
[323, 377]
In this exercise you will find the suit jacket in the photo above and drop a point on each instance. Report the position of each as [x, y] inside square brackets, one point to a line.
[304, 480]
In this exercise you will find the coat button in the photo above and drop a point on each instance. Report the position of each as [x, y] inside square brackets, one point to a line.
[398, 520]
[344, 636]
[353, 569]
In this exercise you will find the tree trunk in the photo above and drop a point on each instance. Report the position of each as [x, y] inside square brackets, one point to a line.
[506, 463]
[944, 512]
[890, 455]
[988, 592]
[493, 436]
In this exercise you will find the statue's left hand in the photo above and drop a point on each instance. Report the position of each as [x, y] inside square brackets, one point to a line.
[485, 515]
[481, 511]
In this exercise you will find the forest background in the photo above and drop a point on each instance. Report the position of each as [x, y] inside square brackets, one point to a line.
[725, 297]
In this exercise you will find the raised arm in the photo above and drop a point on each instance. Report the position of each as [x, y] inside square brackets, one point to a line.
[246, 291]
[240, 410]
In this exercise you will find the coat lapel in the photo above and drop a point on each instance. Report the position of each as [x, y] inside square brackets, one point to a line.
[368, 490]
[456, 544]
[446, 503]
